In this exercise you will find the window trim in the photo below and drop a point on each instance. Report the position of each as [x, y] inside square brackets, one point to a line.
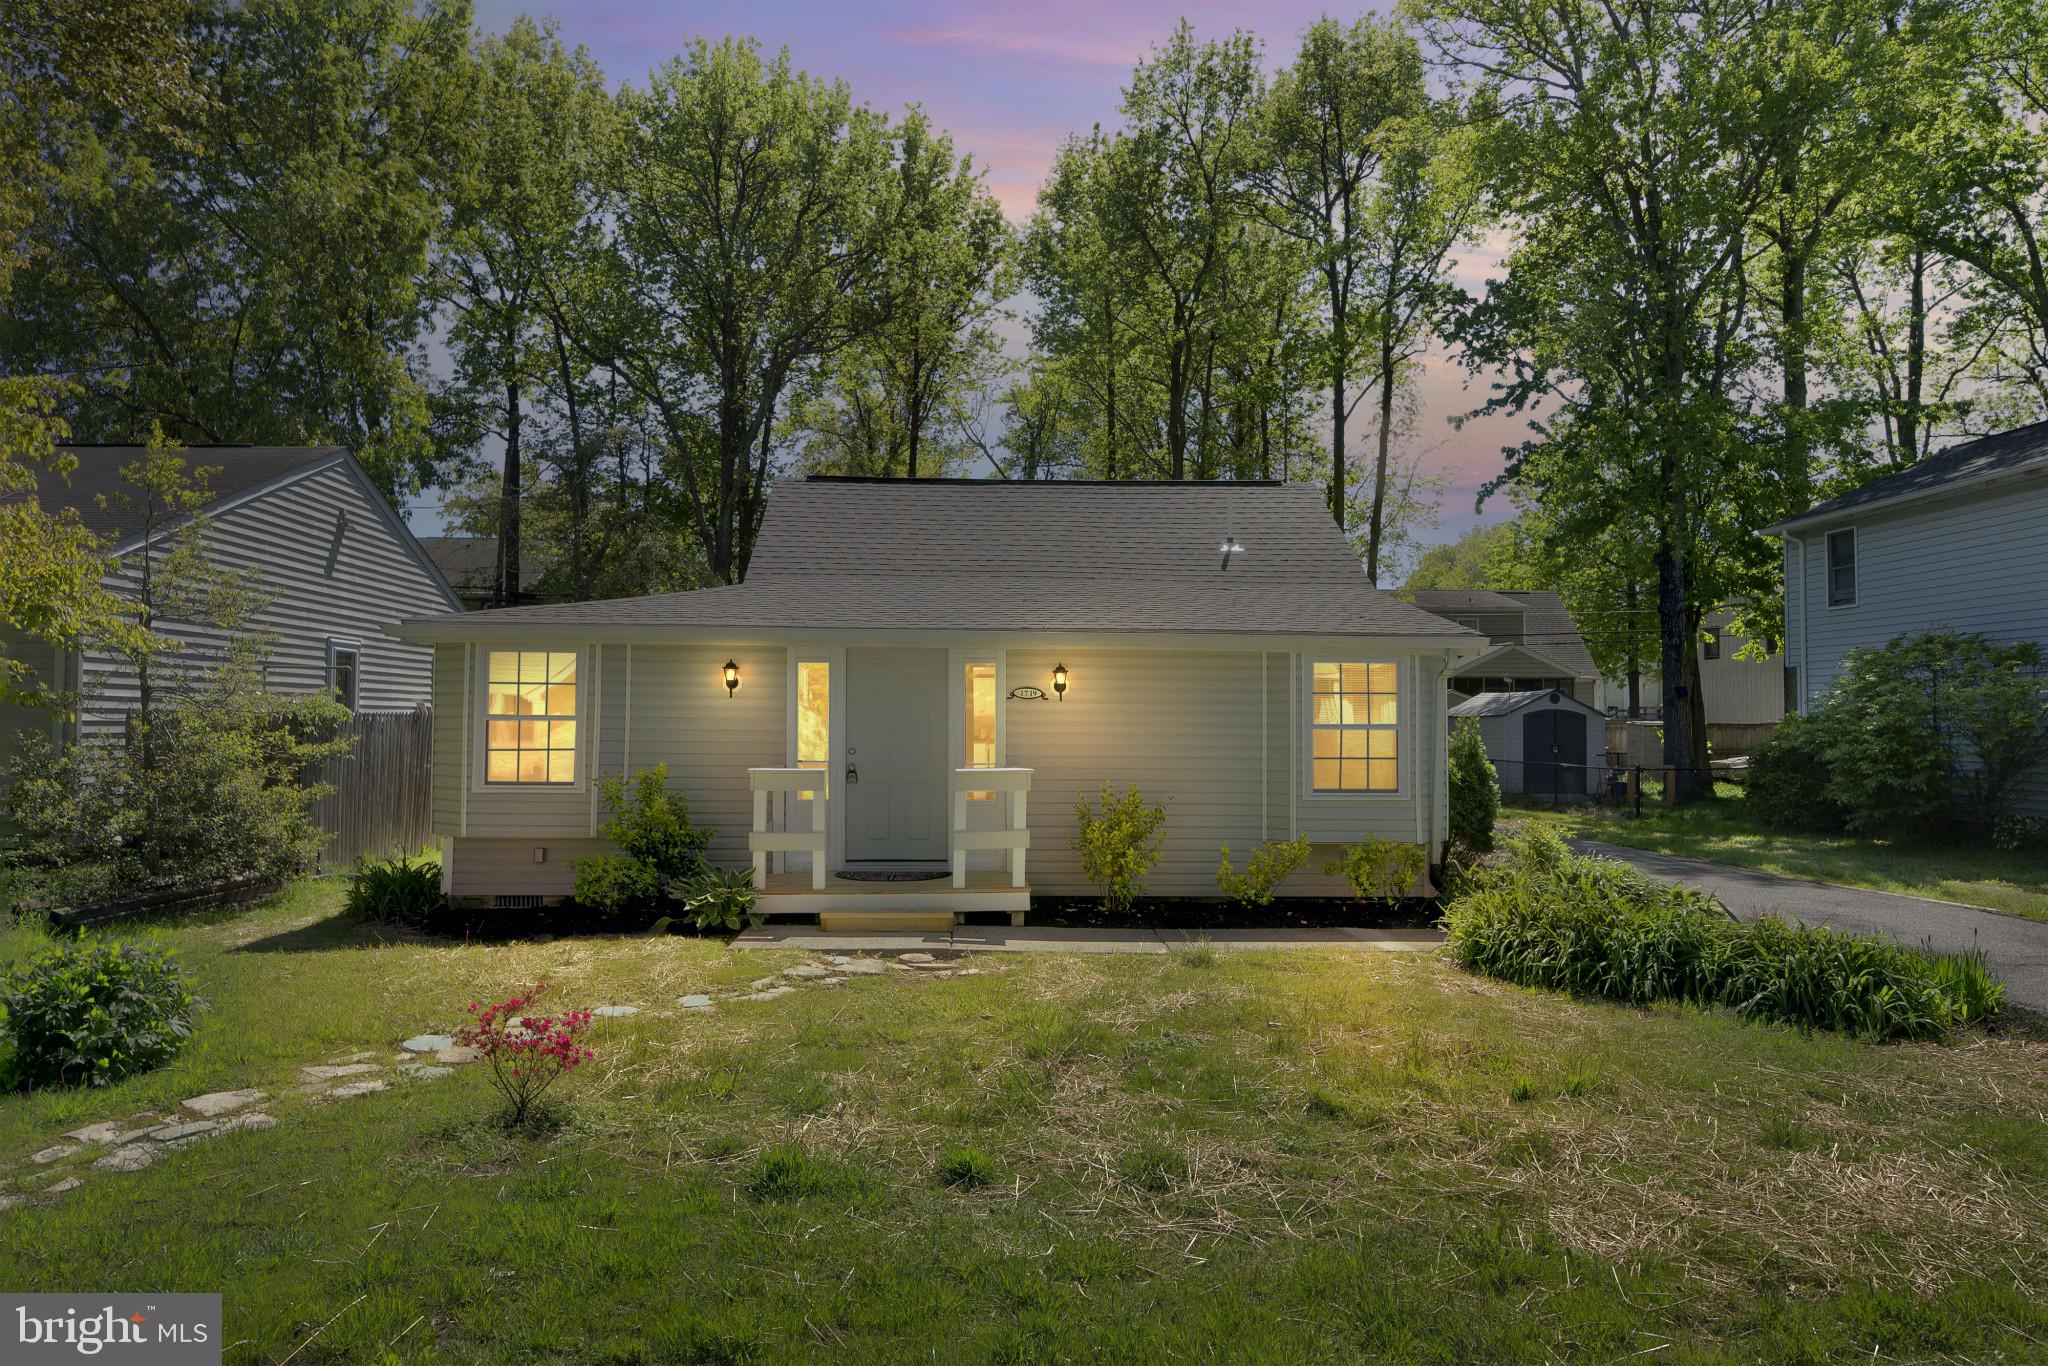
[480, 697]
[1710, 648]
[1404, 728]
[344, 645]
[1827, 567]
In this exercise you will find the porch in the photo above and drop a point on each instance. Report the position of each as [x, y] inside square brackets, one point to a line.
[783, 829]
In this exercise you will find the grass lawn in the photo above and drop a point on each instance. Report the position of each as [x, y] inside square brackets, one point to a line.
[1718, 831]
[1282, 1156]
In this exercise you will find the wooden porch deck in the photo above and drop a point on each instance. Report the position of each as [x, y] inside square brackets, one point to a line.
[990, 890]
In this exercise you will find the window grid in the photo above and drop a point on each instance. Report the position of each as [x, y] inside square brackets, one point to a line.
[531, 721]
[1841, 556]
[1354, 732]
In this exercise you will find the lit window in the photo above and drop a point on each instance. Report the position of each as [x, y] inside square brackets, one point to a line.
[813, 716]
[1354, 728]
[979, 750]
[530, 732]
[1842, 568]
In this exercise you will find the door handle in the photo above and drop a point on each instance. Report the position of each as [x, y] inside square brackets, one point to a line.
[852, 775]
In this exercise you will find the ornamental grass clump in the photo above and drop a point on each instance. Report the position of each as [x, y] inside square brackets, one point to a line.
[528, 1053]
[1545, 917]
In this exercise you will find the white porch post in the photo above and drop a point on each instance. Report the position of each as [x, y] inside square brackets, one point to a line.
[959, 828]
[760, 828]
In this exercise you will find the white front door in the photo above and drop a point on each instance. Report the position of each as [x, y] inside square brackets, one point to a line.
[895, 780]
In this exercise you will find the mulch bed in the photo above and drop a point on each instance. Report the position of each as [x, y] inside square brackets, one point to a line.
[1212, 913]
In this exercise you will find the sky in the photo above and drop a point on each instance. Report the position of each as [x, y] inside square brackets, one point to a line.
[1009, 81]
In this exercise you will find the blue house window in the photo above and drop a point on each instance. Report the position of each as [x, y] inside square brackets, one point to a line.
[1842, 568]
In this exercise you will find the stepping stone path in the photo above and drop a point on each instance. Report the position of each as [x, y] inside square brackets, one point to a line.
[221, 1102]
[350, 1090]
[69, 1183]
[180, 1133]
[861, 967]
[426, 1073]
[615, 1012]
[694, 1002]
[457, 1055]
[132, 1158]
[808, 971]
[49, 1155]
[335, 1071]
[427, 1043]
[770, 994]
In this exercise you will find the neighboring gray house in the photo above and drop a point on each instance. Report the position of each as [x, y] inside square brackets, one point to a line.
[337, 564]
[1959, 540]
[919, 678]
[1541, 742]
[470, 564]
[1534, 644]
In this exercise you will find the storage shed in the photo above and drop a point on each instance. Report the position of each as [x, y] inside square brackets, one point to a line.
[1541, 742]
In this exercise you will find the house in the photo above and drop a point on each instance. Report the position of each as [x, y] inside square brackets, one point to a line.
[338, 567]
[470, 564]
[1958, 540]
[1533, 644]
[1542, 742]
[919, 678]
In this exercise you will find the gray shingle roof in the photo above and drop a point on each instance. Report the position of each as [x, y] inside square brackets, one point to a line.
[470, 563]
[235, 468]
[2000, 453]
[981, 555]
[1548, 629]
[1502, 703]
[1464, 600]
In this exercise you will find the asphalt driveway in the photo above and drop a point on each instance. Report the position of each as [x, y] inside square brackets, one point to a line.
[2017, 949]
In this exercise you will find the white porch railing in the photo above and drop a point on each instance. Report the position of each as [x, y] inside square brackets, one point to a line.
[762, 842]
[1012, 787]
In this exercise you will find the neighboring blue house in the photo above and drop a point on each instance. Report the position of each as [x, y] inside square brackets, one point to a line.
[1958, 540]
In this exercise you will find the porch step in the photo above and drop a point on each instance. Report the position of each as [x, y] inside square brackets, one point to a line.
[854, 922]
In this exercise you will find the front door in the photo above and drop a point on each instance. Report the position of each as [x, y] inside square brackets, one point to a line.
[895, 780]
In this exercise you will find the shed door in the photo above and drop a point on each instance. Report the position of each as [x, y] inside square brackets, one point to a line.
[1554, 751]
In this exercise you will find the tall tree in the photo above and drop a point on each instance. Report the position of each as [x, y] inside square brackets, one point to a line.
[518, 222]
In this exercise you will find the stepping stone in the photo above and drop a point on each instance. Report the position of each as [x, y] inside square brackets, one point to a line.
[358, 1088]
[173, 1133]
[921, 960]
[425, 1073]
[49, 1155]
[355, 1057]
[106, 1131]
[861, 967]
[69, 1183]
[254, 1120]
[694, 1002]
[831, 981]
[615, 1012]
[427, 1043]
[129, 1159]
[129, 1136]
[837, 959]
[458, 1055]
[220, 1102]
[762, 983]
[353, 1069]
[807, 971]
[768, 995]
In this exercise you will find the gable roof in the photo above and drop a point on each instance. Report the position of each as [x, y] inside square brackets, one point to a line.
[1465, 600]
[1504, 703]
[236, 470]
[1509, 659]
[1548, 628]
[2021, 450]
[470, 563]
[995, 555]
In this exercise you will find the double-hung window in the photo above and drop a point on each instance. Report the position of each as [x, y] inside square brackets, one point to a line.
[1354, 727]
[531, 714]
[344, 666]
[1842, 568]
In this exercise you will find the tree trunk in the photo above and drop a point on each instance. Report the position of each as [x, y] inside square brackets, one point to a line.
[1798, 445]
[1631, 597]
[1916, 362]
[1685, 741]
[1176, 410]
[508, 504]
[1379, 486]
[1339, 353]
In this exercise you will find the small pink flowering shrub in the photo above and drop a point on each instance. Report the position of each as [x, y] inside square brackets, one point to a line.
[528, 1053]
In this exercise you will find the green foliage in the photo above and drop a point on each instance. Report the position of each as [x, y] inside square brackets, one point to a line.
[1118, 844]
[1787, 786]
[1909, 733]
[615, 882]
[394, 891]
[1379, 870]
[968, 1168]
[658, 846]
[720, 898]
[86, 1013]
[1475, 789]
[1269, 865]
[1546, 917]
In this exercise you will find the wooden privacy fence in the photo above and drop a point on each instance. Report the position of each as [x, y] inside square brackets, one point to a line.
[382, 803]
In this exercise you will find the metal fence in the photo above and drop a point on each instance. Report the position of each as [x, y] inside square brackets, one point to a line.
[382, 802]
[1626, 787]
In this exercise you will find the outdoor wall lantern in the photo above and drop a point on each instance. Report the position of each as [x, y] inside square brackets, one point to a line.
[732, 679]
[1059, 681]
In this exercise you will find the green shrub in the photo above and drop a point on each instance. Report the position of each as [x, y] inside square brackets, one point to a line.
[720, 899]
[1119, 844]
[1379, 870]
[1546, 917]
[1475, 789]
[1787, 785]
[2014, 833]
[90, 1014]
[615, 882]
[395, 890]
[1269, 865]
[968, 1168]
